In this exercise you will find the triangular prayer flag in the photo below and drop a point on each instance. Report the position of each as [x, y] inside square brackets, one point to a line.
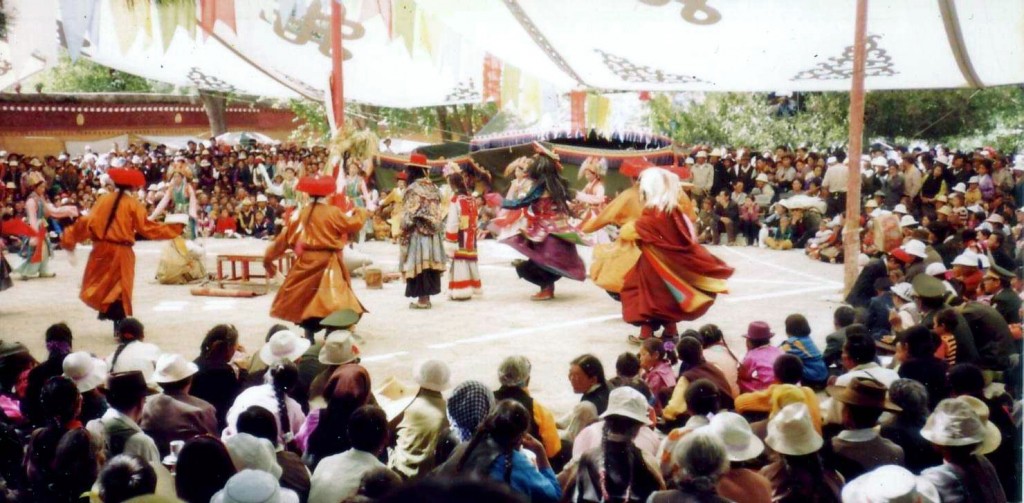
[510, 84]
[404, 22]
[76, 19]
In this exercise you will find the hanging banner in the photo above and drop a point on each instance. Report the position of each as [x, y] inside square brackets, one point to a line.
[174, 15]
[492, 79]
[404, 22]
[76, 19]
[217, 10]
[132, 19]
[577, 104]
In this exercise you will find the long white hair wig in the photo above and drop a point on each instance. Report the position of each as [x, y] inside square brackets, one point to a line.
[596, 165]
[660, 189]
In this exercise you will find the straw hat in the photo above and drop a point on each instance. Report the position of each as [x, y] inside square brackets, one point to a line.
[338, 349]
[992, 435]
[864, 392]
[283, 345]
[173, 368]
[85, 371]
[433, 375]
[955, 423]
[629, 403]
[394, 397]
[734, 431]
[890, 484]
[790, 432]
[253, 486]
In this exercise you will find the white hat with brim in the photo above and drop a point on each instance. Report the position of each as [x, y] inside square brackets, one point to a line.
[900, 208]
[960, 187]
[908, 221]
[254, 486]
[954, 423]
[791, 432]
[84, 370]
[968, 259]
[935, 269]
[394, 397]
[890, 484]
[972, 180]
[992, 435]
[628, 403]
[173, 368]
[248, 451]
[734, 431]
[995, 218]
[916, 248]
[904, 291]
[339, 348]
[283, 345]
[761, 178]
[433, 375]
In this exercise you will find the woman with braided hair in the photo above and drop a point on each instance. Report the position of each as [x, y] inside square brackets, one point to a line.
[495, 452]
[272, 395]
[547, 240]
[618, 470]
[112, 224]
[318, 284]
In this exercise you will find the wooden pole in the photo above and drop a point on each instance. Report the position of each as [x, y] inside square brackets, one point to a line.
[337, 55]
[851, 237]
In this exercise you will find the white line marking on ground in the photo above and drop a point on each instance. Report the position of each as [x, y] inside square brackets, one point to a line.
[734, 279]
[784, 293]
[386, 356]
[776, 266]
[525, 331]
[171, 305]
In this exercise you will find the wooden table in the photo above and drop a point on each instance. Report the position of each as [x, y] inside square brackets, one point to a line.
[243, 263]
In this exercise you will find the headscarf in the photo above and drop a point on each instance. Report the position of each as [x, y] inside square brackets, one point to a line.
[468, 406]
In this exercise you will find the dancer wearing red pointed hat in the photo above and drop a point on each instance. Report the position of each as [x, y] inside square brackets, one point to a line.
[422, 258]
[675, 278]
[111, 225]
[548, 240]
[318, 284]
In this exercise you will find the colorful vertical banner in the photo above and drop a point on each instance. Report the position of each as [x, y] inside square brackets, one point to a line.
[492, 79]
[578, 113]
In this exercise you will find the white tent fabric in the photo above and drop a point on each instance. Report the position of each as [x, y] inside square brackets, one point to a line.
[746, 45]
[99, 146]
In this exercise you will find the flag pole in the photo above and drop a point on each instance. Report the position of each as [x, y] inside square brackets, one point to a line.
[337, 55]
[851, 237]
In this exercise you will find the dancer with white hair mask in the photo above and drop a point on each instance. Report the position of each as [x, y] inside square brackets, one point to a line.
[675, 278]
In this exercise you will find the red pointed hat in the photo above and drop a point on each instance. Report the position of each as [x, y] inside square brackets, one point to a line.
[633, 166]
[401, 176]
[127, 177]
[316, 186]
[418, 160]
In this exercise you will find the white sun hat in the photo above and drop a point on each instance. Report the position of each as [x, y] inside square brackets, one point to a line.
[84, 370]
[173, 368]
[283, 345]
[433, 375]
[629, 403]
[791, 432]
[890, 484]
[734, 431]
[915, 247]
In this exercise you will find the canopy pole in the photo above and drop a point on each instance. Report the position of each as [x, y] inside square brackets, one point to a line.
[337, 55]
[851, 237]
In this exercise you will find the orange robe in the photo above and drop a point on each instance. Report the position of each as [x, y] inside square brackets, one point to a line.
[110, 272]
[318, 284]
[611, 261]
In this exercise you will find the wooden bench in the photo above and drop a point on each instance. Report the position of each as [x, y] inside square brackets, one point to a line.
[242, 263]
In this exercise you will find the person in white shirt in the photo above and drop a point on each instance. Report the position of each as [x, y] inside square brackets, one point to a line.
[703, 175]
[912, 178]
[858, 359]
[338, 477]
[132, 353]
[273, 396]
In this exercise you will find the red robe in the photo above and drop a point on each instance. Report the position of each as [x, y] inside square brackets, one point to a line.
[676, 278]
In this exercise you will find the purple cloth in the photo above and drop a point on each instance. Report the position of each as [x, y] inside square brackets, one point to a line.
[307, 429]
[552, 254]
[756, 372]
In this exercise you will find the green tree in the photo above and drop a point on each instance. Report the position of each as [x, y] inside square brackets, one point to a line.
[85, 76]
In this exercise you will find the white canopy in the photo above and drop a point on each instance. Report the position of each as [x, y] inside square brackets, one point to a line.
[746, 45]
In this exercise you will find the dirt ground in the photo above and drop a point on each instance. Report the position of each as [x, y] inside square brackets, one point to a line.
[471, 336]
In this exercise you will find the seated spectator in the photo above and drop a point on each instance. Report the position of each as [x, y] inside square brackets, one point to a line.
[859, 358]
[991, 336]
[273, 396]
[377, 484]
[788, 371]
[468, 405]
[76, 466]
[339, 476]
[915, 352]
[88, 373]
[418, 432]
[890, 483]
[494, 453]
[659, 376]
[132, 353]
[203, 468]
[881, 304]
[586, 374]
[957, 432]
[58, 346]
[740, 484]
[701, 461]
[174, 414]
[904, 429]
[325, 431]
[907, 314]
[58, 408]
[702, 402]
[119, 428]
[718, 354]
[858, 448]
[124, 477]
[217, 381]
[260, 423]
[262, 228]
[627, 373]
[691, 354]
[514, 376]
[226, 226]
[842, 317]
[798, 474]
[755, 373]
[253, 485]
[616, 468]
[798, 342]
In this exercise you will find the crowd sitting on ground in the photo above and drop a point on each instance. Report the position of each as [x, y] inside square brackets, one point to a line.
[912, 400]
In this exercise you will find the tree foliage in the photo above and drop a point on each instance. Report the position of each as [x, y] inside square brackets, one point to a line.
[85, 76]
[962, 118]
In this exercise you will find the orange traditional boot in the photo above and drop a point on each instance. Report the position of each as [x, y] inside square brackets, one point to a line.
[546, 293]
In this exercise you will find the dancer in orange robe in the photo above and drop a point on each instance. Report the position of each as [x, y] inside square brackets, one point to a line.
[675, 278]
[111, 225]
[318, 284]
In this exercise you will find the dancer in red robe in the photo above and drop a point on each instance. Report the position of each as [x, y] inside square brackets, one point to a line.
[675, 278]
